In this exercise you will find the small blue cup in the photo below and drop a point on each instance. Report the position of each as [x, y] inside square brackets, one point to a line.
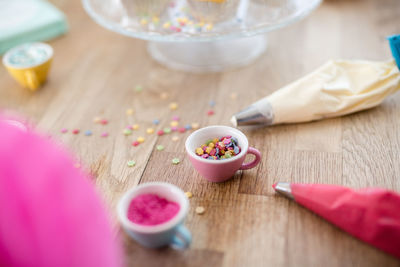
[172, 232]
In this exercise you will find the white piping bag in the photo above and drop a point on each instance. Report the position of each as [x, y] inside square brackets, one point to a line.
[337, 88]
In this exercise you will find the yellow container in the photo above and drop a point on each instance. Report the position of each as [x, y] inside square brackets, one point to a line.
[29, 64]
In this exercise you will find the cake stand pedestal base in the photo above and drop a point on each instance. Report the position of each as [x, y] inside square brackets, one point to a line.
[212, 56]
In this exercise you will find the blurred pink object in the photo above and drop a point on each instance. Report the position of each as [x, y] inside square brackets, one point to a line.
[50, 214]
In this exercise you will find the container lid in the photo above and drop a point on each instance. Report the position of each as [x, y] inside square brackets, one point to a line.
[23, 21]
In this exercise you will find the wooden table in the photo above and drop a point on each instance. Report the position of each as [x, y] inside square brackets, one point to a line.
[95, 72]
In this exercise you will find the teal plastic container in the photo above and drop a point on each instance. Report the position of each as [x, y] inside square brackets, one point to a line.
[24, 21]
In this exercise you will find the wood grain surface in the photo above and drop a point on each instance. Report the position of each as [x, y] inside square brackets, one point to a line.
[95, 72]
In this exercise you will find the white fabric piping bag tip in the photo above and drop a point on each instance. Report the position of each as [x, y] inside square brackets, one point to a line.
[337, 88]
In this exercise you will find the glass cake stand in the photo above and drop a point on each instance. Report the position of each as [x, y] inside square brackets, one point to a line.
[182, 39]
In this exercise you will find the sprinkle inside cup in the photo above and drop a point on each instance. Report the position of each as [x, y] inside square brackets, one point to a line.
[219, 148]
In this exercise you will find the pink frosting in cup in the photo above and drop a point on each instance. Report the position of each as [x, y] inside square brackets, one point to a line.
[150, 209]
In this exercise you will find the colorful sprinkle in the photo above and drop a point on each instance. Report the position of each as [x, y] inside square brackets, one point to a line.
[140, 139]
[173, 106]
[129, 111]
[182, 129]
[164, 95]
[135, 143]
[88, 133]
[174, 123]
[175, 138]
[104, 121]
[75, 131]
[143, 21]
[174, 128]
[138, 88]
[211, 103]
[200, 210]
[234, 95]
[160, 132]
[188, 127]
[195, 125]
[176, 118]
[167, 130]
[105, 134]
[156, 122]
[210, 112]
[160, 147]
[150, 130]
[166, 25]
[219, 148]
[96, 119]
[64, 130]
[127, 132]
[135, 126]
[188, 194]
[175, 161]
[131, 163]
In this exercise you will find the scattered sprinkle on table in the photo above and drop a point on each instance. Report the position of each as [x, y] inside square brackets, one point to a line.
[210, 112]
[174, 123]
[175, 138]
[175, 161]
[182, 129]
[104, 121]
[138, 88]
[96, 119]
[188, 194]
[234, 95]
[167, 130]
[150, 130]
[160, 147]
[105, 134]
[129, 111]
[131, 163]
[195, 125]
[135, 143]
[140, 139]
[200, 210]
[135, 126]
[88, 133]
[127, 132]
[75, 131]
[156, 122]
[160, 132]
[188, 127]
[175, 118]
[211, 103]
[64, 130]
[174, 128]
[173, 106]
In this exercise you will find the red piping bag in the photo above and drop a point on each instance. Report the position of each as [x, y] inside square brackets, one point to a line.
[371, 214]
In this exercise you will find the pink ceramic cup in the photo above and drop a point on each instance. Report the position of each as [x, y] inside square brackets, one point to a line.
[220, 170]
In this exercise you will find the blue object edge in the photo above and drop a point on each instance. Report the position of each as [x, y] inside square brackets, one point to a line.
[394, 42]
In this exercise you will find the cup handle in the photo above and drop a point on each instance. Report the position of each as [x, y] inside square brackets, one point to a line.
[182, 238]
[32, 79]
[253, 163]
